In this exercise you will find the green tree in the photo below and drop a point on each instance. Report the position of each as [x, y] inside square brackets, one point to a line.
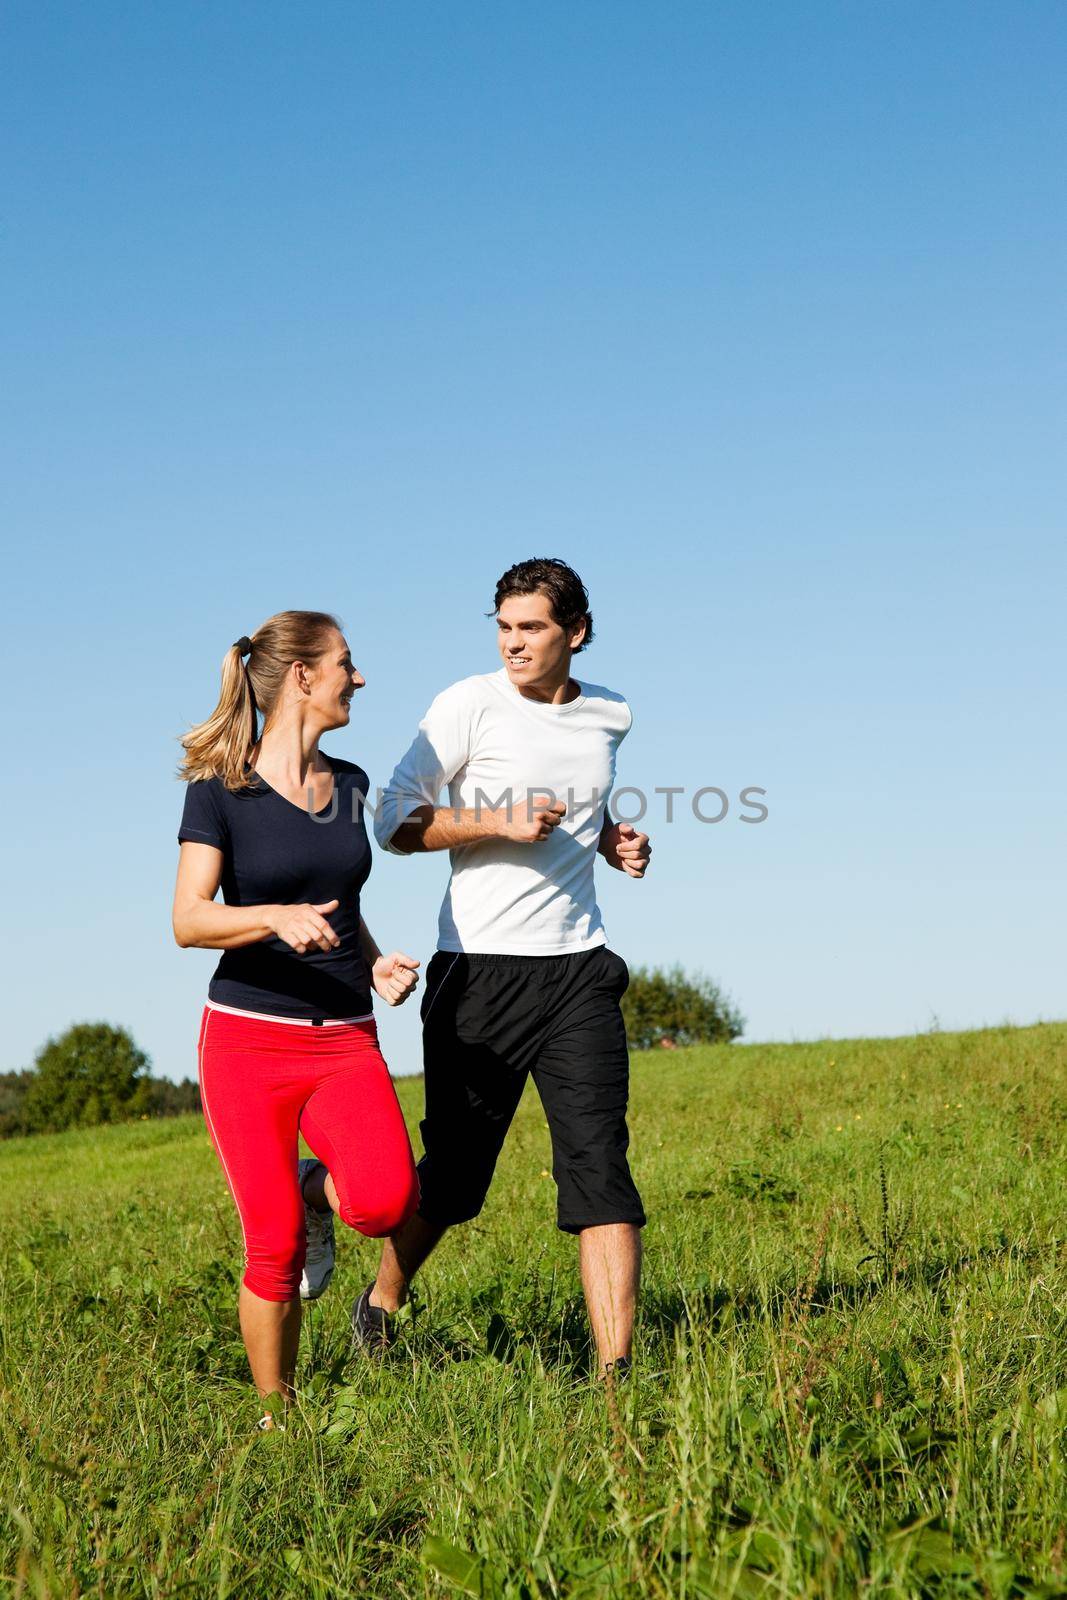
[674, 1008]
[92, 1073]
[13, 1086]
[167, 1099]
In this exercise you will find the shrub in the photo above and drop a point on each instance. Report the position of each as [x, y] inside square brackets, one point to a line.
[672, 1008]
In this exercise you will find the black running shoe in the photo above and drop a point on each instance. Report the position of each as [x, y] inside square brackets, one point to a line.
[617, 1371]
[372, 1328]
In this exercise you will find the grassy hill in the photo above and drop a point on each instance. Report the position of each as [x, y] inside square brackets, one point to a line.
[823, 1406]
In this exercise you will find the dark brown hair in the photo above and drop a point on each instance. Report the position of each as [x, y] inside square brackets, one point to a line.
[561, 587]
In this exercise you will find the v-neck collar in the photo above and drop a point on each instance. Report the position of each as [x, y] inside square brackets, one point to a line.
[269, 787]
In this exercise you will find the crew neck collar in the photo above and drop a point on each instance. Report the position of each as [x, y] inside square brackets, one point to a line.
[542, 706]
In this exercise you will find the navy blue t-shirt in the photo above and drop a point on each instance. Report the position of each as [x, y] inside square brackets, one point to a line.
[277, 853]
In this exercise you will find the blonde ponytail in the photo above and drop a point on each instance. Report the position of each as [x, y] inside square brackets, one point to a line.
[221, 746]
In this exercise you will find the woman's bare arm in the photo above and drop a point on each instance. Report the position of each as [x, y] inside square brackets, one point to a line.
[394, 976]
[367, 944]
[200, 922]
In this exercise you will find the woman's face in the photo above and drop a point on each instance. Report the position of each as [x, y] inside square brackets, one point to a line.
[333, 682]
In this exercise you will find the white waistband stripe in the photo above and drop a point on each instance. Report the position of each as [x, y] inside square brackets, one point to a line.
[292, 1022]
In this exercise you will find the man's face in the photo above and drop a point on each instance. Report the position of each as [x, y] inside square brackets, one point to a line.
[536, 650]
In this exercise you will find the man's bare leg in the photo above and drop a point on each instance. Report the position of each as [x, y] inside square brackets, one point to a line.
[610, 1257]
[402, 1256]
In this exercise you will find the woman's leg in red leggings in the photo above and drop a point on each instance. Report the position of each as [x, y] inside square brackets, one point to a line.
[251, 1090]
[353, 1123]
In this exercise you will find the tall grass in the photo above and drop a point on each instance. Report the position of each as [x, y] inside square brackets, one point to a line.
[851, 1374]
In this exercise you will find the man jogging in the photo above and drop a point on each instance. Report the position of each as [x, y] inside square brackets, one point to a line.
[523, 981]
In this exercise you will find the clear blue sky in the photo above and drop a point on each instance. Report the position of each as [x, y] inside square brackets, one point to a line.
[753, 313]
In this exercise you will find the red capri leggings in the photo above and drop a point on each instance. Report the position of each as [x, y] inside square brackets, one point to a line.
[262, 1082]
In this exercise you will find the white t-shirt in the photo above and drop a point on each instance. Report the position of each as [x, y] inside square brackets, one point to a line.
[484, 740]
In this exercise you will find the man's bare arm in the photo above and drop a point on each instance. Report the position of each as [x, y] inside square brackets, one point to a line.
[450, 827]
[624, 848]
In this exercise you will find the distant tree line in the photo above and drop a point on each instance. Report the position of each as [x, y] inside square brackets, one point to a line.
[667, 1008]
[90, 1074]
[96, 1073]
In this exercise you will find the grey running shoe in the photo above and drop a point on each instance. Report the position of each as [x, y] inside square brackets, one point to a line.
[617, 1371]
[319, 1262]
[372, 1328]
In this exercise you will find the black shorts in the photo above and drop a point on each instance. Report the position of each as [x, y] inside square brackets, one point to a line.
[490, 1020]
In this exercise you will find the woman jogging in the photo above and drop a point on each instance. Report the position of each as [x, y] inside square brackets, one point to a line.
[287, 1040]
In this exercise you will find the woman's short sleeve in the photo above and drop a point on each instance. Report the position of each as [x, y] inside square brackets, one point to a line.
[203, 821]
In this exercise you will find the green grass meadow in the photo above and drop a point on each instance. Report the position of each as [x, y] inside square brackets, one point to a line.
[844, 1386]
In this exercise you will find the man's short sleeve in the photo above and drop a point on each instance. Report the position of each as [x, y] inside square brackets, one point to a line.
[438, 751]
[203, 821]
